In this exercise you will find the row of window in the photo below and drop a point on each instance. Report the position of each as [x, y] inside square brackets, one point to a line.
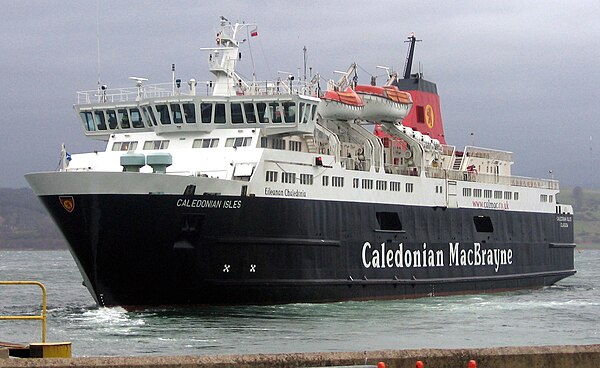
[148, 145]
[488, 193]
[198, 143]
[276, 143]
[209, 112]
[338, 181]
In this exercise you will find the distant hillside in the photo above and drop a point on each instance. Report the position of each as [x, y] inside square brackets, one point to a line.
[25, 224]
[586, 205]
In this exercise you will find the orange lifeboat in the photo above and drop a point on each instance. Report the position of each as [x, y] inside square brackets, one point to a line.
[384, 103]
[341, 105]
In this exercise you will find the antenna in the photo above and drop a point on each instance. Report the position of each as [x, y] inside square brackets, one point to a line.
[173, 76]
[409, 57]
[304, 51]
[98, 40]
[138, 84]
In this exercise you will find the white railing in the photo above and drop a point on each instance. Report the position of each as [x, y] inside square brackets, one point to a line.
[133, 94]
[487, 153]
[517, 181]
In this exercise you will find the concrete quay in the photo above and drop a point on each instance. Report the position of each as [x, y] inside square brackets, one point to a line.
[566, 356]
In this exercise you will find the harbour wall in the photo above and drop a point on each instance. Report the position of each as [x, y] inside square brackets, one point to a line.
[580, 356]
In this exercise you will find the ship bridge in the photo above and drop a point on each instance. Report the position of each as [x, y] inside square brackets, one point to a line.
[278, 107]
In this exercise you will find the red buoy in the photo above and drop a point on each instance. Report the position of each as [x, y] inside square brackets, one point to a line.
[381, 365]
[420, 364]
[472, 364]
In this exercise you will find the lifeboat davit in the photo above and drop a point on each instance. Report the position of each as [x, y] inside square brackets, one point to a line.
[338, 105]
[386, 103]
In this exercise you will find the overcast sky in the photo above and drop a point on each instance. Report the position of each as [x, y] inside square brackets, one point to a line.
[522, 76]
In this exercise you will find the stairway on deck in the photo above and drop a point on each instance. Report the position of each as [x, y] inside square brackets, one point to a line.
[457, 162]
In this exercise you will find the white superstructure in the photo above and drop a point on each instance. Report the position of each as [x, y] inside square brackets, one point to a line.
[271, 139]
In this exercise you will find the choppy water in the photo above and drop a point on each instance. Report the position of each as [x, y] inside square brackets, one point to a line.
[568, 313]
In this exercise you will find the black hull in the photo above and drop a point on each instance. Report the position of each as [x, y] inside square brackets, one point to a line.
[150, 250]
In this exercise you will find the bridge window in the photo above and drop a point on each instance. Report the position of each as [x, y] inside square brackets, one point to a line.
[249, 111]
[305, 111]
[477, 193]
[163, 114]
[395, 186]
[136, 118]
[176, 111]
[289, 112]
[302, 112]
[516, 196]
[236, 114]
[206, 112]
[325, 180]
[355, 182]
[314, 112]
[381, 185]
[100, 122]
[261, 108]
[219, 113]
[466, 192]
[112, 119]
[88, 121]
[205, 143]
[189, 110]
[275, 110]
[146, 115]
[367, 184]
[497, 194]
[409, 187]
[123, 119]
[507, 195]
[487, 193]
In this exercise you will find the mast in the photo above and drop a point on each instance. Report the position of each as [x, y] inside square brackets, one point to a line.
[409, 57]
[222, 59]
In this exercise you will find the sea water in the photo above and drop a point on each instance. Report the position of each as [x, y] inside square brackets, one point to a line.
[567, 313]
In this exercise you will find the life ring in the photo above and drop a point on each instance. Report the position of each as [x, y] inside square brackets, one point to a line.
[407, 154]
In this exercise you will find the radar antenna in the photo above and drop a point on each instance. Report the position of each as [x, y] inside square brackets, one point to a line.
[409, 57]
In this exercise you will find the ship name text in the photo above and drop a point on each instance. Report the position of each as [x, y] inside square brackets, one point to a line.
[457, 255]
[285, 192]
[208, 203]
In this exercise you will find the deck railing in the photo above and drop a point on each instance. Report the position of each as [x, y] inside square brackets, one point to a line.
[41, 317]
[472, 176]
[132, 94]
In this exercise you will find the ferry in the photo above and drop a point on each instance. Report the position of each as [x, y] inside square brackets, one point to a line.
[267, 192]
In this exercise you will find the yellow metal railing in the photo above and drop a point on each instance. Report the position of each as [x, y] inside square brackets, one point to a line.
[41, 317]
